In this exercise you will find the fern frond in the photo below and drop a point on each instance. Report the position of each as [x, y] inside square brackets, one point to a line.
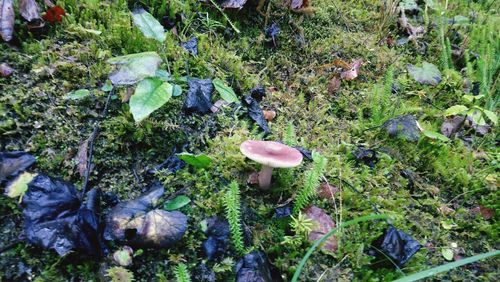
[289, 138]
[233, 216]
[311, 182]
[181, 273]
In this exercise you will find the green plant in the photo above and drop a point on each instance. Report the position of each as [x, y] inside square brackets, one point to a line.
[446, 267]
[311, 182]
[477, 113]
[381, 101]
[181, 273]
[301, 224]
[233, 215]
[120, 274]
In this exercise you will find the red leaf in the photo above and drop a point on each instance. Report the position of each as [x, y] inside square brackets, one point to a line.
[54, 14]
[322, 224]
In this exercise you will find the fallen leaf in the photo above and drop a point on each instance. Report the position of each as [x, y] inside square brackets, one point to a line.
[405, 126]
[269, 115]
[428, 74]
[6, 19]
[327, 191]
[5, 70]
[177, 203]
[452, 125]
[149, 26]
[54, 14]
[226, 92]
[333, 85]
[198, 161]
[485, 212]
[297, 4]
[13, 163]
[218, 105]
[134, 67]
[199, 96]
[322, 225]
[191, 46]
[447, 253]
[233, 4]
[82, 157]
[29, 10]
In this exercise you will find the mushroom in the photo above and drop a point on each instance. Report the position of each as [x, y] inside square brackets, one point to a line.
[271, 155]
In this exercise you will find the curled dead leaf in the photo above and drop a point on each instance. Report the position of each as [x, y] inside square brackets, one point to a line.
[82, 157]
[29, 10]
[269, 115]
[5, 70]
[323, 223]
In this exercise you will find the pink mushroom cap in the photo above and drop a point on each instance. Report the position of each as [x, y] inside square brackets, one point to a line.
[271, 154]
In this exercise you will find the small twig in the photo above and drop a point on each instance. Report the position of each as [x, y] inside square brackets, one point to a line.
[92, 138]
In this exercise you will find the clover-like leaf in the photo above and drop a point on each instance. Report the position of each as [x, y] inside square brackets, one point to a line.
[428, 74]
[150, 95]
[134, 67]
[149, 26]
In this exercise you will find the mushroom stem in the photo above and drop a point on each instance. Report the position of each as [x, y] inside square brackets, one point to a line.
[265, 175]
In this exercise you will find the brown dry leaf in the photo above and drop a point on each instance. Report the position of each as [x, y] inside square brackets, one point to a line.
[233, 4]
[327, 191]
[485, 212]
[333, 85]
[269, 115]
[6, 19]
[82, 157]
[29, 9]
[5, 70]
[253, 178]
[322, 224]
[297, 4]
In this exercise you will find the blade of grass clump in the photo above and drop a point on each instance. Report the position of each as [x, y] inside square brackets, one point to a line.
[330, 233]
[446, 267]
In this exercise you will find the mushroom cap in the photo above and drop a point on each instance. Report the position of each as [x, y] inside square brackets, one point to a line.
[272, 154]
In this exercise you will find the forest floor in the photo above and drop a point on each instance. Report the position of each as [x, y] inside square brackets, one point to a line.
[337, 73]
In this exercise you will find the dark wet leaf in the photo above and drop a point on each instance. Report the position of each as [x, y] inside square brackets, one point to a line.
[232, 4]
[323, 223]
[199, 96]
[12, 163]
[55, 218]
[5, 70]
[149, 26]
[272, 31]
[397, 245]
[218, 232]
[366, 156]
[54, 14]
[191, 46]
[258, 93]
[283, 211]
[6, 19]
[306, 153]
[177, 203]
[405, 127]
[428, 74]
[139, 224]
[452, 125]
[201, 273]
[29, 10]
[256, 113]
[198, 161]
[254, 267]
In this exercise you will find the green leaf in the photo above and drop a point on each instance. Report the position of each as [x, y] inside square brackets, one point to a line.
[177, 90]
[77, 94]
[226, 92]
[491, 116]
[448, 224]
[149, 26]
[198, 161]
[150, 95]
[447, 253]
[461, 20]
[107, 87]
[134, 67]
[428, 74]
[177, 203]
[455, 110]
[19, 186]
[445, 267]
[435, 135]
[163, 74]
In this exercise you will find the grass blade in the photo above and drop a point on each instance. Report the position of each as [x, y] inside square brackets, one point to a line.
[446, 267]
[330, 233]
